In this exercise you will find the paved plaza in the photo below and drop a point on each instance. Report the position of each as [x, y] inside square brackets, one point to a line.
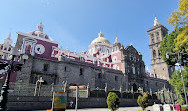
[106, 109]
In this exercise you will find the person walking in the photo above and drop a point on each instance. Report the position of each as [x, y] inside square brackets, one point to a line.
[177, 106]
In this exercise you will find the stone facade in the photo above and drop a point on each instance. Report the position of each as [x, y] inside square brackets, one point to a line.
[158, 66]
[104, 65]
[71, 71]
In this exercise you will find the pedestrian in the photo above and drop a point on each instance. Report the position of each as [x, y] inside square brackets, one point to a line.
[177, 106]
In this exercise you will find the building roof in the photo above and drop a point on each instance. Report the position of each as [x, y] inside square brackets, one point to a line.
[39, 32]
[100, 39]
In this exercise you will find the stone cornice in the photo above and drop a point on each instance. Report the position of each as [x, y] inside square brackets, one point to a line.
[24, 34]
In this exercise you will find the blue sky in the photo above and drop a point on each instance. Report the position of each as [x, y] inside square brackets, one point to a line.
[75, 23]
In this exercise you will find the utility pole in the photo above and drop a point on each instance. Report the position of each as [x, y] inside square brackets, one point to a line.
[179, 63]
[76, 106]
[183, 86]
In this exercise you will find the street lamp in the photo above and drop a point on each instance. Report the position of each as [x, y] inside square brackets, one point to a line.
[11, 68]
[179, 64]
[39, 81]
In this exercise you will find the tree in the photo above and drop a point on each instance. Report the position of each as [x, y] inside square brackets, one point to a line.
[176, 82]
[168, 45]
[180, 15]
[113, 101]
[182, 39]
[179, 18]
[143, 101]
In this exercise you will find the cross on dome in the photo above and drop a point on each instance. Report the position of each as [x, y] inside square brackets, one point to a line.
[40, 27]
[100, 39]
[116, 41]
[131, 44]
[101, 34]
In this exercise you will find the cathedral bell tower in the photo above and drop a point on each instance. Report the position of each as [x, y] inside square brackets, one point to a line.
[158, 66]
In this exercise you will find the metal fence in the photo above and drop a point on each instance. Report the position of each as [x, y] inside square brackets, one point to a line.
[20, 89]
[30, 89]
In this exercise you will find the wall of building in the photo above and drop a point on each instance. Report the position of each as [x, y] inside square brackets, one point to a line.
[45, 102]
[73, 72]
[155, 84]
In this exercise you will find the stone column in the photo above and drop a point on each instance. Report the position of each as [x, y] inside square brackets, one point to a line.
[65, 87]
[162, 96]
[172, 98]
[158, 95]
[121, 92]
[169, 97]
[88, 90]
[52, 88]
[106, 89]
[150, 92]
[132, 91]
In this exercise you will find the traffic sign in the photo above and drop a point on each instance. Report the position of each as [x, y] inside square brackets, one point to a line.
[59, 101]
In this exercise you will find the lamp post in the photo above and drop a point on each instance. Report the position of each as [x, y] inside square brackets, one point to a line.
[11, 68]
[179, 64]
[39, 81]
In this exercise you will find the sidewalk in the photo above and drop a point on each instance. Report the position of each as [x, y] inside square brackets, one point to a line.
[106, 109]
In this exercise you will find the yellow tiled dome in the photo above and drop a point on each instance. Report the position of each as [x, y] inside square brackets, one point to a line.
[100, 39]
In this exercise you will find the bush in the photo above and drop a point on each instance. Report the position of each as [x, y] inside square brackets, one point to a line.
[143, 101]
[184, 107]
[113, 101]
[180, 101]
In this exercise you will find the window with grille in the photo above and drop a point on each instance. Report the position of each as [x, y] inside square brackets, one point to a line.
[45, 67]
[81, 71]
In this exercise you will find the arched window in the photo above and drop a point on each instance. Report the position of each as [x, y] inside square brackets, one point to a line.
[152, 40]
[157, 33]
[107, 51]
[28, 49]
[159, 53]
[114, 66]
[5, 48]
[133, 69]
[154, 53]
[9, 49]
[5, 56]
[134, 87]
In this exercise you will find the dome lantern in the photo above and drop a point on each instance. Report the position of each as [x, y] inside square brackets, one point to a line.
[40, 27]
[101, 34]
[100, 39]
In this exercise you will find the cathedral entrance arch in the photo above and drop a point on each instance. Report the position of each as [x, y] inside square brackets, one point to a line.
[135, 87]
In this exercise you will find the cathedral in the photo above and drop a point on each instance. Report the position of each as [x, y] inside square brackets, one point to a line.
[109, 65]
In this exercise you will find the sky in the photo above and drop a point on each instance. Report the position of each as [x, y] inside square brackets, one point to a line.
[75, 23]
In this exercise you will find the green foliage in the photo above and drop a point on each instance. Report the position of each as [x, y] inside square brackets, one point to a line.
[180, 101]
[113, 101]
[180, 15]
[179, 18]
[184, 107]
[176, 82]
[168, 45]
[143, 101]
[182, 39]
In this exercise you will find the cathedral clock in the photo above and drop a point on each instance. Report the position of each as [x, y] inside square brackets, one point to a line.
[39, 49]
